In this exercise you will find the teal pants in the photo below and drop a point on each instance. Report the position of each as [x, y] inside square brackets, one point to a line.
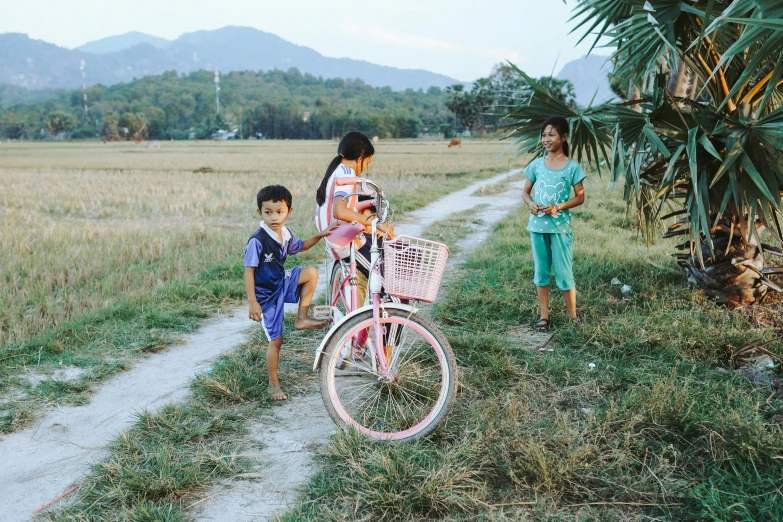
[553, 251]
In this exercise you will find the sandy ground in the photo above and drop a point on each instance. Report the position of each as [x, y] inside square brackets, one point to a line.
[40, 463]
[301, 425]
[291, 434]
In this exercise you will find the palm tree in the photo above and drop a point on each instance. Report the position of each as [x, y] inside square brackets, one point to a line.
[700, 148]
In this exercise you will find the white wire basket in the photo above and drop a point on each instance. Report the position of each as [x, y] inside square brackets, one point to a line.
[413, 267]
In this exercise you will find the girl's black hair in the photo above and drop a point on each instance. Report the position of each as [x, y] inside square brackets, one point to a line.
[560, 124]
[353, 146]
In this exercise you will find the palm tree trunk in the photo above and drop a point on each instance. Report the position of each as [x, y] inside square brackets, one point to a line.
[733, 275]
[634, 94]
[678, 80]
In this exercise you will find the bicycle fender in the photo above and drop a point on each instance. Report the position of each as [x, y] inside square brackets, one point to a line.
[328, 337]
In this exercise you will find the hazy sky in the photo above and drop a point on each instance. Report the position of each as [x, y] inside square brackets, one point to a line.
[459, 38]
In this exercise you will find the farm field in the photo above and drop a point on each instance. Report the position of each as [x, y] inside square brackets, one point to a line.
[637, 412]
[95, 235]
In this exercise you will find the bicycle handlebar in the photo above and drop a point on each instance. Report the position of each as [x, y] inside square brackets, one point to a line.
[382, 203]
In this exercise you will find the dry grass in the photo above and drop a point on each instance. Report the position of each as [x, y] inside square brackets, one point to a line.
[84, 223]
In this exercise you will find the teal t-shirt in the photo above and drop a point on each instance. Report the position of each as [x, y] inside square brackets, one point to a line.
[549, 187]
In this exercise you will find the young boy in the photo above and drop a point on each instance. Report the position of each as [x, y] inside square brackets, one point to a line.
[268, 285]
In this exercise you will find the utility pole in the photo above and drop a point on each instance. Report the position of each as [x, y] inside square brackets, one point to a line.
[217, 91]
[84, 85]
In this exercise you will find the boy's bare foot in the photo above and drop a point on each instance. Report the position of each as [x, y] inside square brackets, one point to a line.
[305, 323]
[276, 393]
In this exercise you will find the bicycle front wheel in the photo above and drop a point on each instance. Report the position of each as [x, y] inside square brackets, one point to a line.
[415, 395]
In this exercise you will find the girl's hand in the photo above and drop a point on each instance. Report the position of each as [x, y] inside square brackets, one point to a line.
[534, 207]
[550, 209]
[390, 230]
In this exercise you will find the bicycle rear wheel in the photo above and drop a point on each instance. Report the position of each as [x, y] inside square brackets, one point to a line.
[415, 395]
[339, 295]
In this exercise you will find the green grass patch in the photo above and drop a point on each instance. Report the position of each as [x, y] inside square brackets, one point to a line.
[108, 340]
[454, 229]
[500, 187]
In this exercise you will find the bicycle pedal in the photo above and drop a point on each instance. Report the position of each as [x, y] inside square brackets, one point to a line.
[322, 312]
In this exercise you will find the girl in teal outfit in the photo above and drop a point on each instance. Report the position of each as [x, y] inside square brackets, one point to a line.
[554, 177]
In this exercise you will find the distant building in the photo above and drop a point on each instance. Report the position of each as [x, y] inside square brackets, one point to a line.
[223, 134]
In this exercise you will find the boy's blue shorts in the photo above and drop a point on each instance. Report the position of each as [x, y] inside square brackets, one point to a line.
[274, 310]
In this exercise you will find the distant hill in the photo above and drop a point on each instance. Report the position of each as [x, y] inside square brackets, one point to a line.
[588, 74]
[37, 64]
[14, 95]
[113, 44]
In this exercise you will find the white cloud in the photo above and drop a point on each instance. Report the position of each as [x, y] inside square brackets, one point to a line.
[422, 43]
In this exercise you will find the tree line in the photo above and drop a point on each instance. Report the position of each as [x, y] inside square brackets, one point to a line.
[274, 104]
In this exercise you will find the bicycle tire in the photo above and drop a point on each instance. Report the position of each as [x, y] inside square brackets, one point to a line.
[411, 366]
[336, 279]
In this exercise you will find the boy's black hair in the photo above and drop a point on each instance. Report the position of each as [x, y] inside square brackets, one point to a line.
[274, 193]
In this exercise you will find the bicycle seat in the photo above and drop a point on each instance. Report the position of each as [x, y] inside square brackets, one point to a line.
[345, 233]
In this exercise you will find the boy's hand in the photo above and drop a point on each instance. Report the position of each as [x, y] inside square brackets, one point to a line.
[255, 311]
[329, 230]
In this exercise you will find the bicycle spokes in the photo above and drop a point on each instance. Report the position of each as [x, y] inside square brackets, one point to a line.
[403, 397]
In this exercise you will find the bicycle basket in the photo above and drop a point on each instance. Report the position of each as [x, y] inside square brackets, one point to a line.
[413, 267]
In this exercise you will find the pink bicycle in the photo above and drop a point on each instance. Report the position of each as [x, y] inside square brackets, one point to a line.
[385, 370]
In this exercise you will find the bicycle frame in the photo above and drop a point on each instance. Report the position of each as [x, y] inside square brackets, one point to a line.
[374, 285]
[330, 334]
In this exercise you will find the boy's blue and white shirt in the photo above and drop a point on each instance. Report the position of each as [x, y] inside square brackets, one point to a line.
[267, 254]
[552, 186]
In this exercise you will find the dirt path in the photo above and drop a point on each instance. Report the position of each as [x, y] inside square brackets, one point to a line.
[40, 463]
[296, 429]
[44, 461]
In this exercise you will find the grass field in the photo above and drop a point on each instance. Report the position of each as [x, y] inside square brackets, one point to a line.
[111, 250]
[661, 428]
[637, 413]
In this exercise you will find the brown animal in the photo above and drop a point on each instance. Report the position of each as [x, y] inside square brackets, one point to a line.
[455, 142]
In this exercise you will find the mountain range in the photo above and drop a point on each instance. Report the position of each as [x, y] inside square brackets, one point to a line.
[588, 74]
[36, 64]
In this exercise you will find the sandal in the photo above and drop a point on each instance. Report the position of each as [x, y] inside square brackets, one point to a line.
[542, 325]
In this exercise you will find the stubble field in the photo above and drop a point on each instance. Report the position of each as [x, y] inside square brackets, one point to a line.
[636, 412]
[94, 234]
[84, 223]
